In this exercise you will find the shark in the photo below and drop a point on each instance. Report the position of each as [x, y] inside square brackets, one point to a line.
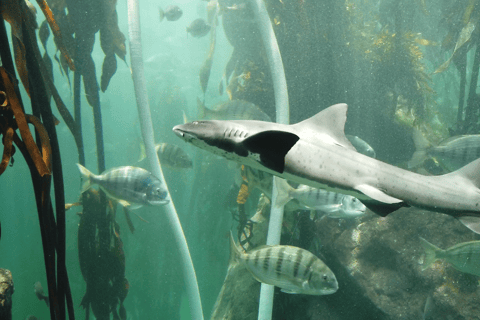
[316, 152]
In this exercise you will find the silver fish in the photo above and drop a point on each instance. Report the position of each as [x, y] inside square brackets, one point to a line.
[232, 110]
[292, 269]
[171, 13]
[452, 153]
[170, 155]
[464, 257]
[335, 205]
[316, 152]
[130, 186]
[362, 146]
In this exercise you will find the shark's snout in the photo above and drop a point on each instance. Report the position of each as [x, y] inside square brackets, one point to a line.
[178, 131]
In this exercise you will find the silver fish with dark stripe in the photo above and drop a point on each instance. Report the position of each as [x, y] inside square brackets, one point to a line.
[292, 269]
[335, 205]
[452, 153]
[130, 186]
[464, 257]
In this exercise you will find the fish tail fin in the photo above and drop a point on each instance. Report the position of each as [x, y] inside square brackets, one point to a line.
[86, 177]
[422, 145]
[430, 253]
[143, 153]
[162, 14]
[283, 192]
[202, 110]
[235, 252]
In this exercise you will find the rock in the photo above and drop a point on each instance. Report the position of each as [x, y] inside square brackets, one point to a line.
[6, 292]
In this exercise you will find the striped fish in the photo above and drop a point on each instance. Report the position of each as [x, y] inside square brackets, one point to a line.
[292, 269]
[464, 257]
[130, 186]
[232, 110]
[169, 154]
[452, 153]
[173, 156]
[335, 205]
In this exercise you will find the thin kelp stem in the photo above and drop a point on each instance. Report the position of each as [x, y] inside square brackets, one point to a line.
[148, 138]
[41, 103]
[77, 78]
[462, 65]
[472, 111]
[283, 116]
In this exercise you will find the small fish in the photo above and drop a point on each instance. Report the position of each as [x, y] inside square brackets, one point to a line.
[335, 205]
[31, 317]
[429, 309]
[40, 294]
[171, 13]
[292, 269]
[452, 153]
[361, 146]
[130, 186]
[170, 155]
[464, 257]
[198, 28]
[173, 156]
[232, 110]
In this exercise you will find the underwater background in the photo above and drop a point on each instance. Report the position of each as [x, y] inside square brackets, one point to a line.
[398, 64]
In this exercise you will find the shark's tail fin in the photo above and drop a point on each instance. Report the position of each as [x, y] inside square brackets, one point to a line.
[422, 145]
[430, 253]
[283, 192]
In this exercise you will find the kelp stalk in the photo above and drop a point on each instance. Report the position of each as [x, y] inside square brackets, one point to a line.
[277, 72]
[143, 106]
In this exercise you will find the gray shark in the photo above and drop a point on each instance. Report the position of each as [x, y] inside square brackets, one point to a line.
[316, 152]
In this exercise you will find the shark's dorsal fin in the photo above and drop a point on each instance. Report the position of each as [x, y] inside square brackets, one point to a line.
[326, 126]
[271, 146]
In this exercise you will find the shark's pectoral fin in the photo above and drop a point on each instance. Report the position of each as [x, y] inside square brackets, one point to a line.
[271, 146]
[472, 223]
[376, 194]
[382, 209]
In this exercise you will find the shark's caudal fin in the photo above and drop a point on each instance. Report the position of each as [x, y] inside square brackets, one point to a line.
[271, 146]
[326, 125]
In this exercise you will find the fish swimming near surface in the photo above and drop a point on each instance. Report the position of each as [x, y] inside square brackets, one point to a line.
[335, 205]
[130, 186]
[315, 152]
[452, 153]
[170, 155]
[198, 28]
[292, 269]
[464, 257]
[40, 294]
[232, 110]
[171, 13]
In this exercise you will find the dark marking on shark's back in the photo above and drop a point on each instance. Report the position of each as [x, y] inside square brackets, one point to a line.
[272, 146]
